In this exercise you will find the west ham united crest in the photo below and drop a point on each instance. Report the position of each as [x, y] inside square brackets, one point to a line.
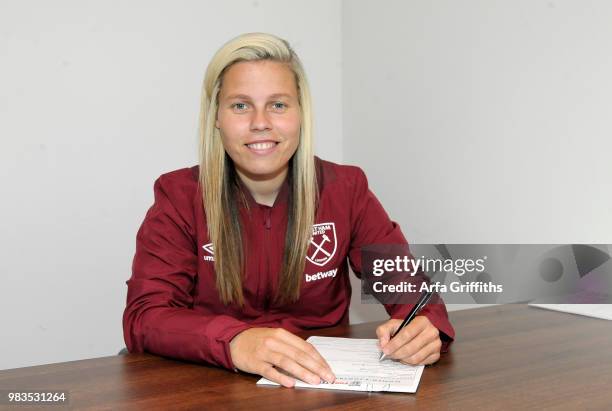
[322, 244]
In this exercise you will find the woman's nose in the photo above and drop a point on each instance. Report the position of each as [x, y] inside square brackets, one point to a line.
[260, 121]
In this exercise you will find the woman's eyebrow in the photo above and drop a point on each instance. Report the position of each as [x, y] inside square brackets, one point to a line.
[240, 96]
[277, 95]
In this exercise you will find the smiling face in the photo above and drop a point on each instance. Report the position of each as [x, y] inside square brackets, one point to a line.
[259, 118]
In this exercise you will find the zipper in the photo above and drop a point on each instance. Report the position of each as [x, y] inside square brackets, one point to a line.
[268, 226]
[268, 218]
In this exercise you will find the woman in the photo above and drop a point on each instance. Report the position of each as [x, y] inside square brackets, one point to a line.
[238, 254]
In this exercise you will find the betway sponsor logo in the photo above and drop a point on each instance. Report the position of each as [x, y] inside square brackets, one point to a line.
[321, 275]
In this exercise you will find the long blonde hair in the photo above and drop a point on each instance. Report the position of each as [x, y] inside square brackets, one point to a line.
[218, 176]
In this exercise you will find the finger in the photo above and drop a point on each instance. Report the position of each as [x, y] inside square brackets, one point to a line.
[404, 336]
[297, 362]
[304, 346]
[268, 371]
[306, 354]
[428, 335]
[432, 359]
[292, 367]
[384, 331]
[421, 356]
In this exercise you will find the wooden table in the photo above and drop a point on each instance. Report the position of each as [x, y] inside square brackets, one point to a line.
[505, 357]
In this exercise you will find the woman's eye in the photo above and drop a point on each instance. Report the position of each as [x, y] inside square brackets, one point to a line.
[279, 105]
[240, 106]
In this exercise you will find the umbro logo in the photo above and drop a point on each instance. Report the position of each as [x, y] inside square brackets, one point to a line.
[208, 252]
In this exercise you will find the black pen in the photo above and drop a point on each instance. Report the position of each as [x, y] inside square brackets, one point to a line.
[415, 310]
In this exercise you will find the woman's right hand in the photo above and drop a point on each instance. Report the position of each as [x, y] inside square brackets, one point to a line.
[263, 350]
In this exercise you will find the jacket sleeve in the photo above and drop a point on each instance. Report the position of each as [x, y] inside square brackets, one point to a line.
[371, 225]
[159, 317]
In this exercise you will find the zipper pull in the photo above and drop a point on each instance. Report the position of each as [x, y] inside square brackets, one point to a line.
[268, 218]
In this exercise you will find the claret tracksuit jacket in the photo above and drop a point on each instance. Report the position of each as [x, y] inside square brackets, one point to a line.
[173, 308]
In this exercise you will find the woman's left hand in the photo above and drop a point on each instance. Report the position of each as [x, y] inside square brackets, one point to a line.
[418, 343]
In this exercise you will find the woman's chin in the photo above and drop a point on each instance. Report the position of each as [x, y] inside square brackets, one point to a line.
[262, 173]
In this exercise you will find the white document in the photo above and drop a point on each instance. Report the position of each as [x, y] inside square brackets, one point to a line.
[603, 311]
[356, 366]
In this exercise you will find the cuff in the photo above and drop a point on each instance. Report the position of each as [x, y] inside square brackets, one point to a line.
[220, 332]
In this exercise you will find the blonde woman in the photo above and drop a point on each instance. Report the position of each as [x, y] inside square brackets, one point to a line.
[253, 245]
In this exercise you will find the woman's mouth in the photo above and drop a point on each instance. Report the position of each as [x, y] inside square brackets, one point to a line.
[262, 147]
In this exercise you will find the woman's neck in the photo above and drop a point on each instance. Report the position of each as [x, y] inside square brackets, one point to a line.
[264, 189]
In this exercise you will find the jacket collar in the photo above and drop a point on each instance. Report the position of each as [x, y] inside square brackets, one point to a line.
[281, 198]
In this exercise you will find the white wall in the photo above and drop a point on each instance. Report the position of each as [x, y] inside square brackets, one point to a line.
[482, 121]
[489, 121]
[98, 99]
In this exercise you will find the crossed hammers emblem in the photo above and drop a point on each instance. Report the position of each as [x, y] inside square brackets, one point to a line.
[319, 247]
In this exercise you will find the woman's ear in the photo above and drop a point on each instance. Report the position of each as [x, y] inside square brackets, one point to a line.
[217, 123]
